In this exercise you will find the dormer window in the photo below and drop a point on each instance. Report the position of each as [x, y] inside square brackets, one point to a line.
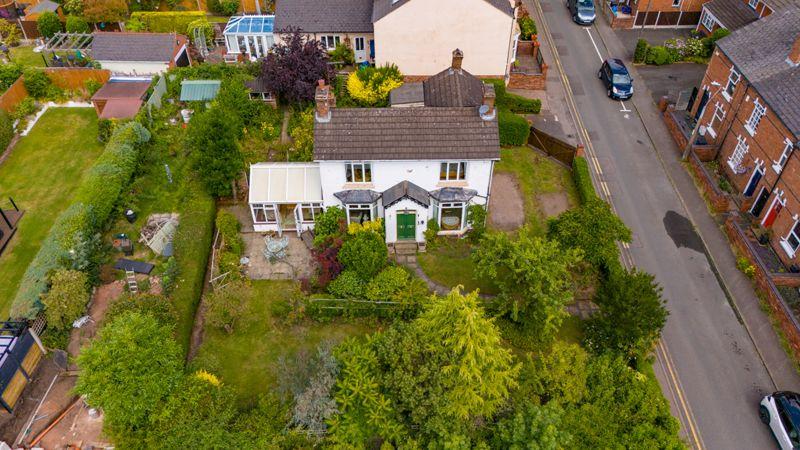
[453, 171]
[356, 172]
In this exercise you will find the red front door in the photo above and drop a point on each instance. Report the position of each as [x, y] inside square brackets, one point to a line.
[769, 219]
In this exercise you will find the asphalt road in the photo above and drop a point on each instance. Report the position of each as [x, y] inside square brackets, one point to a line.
[709, 369]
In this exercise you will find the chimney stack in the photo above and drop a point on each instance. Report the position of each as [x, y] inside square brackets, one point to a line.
[325, 100]
[794, 54]
[487, 108]
[458, 57]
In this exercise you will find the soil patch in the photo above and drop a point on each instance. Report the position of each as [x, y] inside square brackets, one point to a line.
[554, 203]
[102, 298]
[506, 209]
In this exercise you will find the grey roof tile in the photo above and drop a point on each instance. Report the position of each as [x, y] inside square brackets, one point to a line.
[759, 51]
[357, 196]
[733, 14]
[383, 8]
[453, 194]
[452, 87]
[113, 46]
[315, 16]
[406, 189]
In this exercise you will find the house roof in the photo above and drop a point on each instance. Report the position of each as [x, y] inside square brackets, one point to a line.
[382, 8]
[258, 85]
[406, 189]
[406, 134]
[407, 93]
[777, 5]
[121, 108]
[732, 14]
[285, 183]
[199, 90]
[122, 89]
[759, 51]
[453, 87]
[250, 25]
[314, 16]
[357, 196]
[150, 47]
[453, 194]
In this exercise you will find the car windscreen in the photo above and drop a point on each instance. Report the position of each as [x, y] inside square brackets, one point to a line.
[620, 78]
[585, 6]
[789, 412]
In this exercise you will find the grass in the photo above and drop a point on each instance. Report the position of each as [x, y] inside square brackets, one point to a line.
[251, 358]
[25, 56]
[536, 174]
[42, 174]
[448, 263]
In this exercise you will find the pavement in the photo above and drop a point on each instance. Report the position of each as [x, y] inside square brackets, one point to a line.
[719, 353]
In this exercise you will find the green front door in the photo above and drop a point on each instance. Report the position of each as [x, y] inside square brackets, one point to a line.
[406, 227]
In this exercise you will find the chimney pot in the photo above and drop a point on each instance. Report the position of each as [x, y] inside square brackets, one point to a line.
[794, 54]
[458, 58]
[325, 100]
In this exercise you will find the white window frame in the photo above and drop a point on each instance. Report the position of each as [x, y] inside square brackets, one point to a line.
[311, 207]
[708, 20]
[330, 41]
[752, 3]
[362, 41]
[461, 171]
[452, 205]
[264, 207]
[737, 157]
[787, 246]
[676, 3]
[719, 115]
[371, 207]
[759, 111]
[733, 79]
[784, 158]
[351, 167]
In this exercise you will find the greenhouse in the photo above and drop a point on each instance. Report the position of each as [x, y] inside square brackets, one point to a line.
[251, 35]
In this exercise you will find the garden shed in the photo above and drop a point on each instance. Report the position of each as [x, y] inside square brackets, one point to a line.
[199, 90]
[20, 353]
[258, 90]
[251, 35]
[120, 98]
[140, 53]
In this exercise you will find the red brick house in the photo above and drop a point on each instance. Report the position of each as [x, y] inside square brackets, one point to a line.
[655, 13]
[734, 14]
[750, 110]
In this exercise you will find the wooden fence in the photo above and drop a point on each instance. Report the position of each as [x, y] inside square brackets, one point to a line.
[13, 96]
[553, 146]
[63, 77]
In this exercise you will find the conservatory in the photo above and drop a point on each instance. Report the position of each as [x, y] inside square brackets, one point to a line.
[251, 35]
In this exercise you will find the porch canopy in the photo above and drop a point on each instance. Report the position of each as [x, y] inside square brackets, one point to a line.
[285, 183]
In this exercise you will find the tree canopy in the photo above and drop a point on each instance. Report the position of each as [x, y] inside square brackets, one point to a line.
[293, 67]
[212, 137]
[105, 10]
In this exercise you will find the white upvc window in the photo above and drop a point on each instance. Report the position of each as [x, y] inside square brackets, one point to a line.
[708, 20]
[452, 216]
[453, 171]
[358, 172]
[361, 212]
[752, 3]
[676, 3]
[791, 242]
[264, 213]
[730, 86]
[718, 117]
[309, 212]
[330, 41]
[781, 162]
[359, 44]
[755, 117]
[737, 157]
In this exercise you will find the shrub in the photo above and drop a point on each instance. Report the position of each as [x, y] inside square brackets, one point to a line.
[432, 232]
[386, 285]
[105, 128]
[226, 305]
[370, 86]
[156, 306]
[520, 105]
[67, 298]
[135, 25]
[302, 134]
[658, 55]
[37, 83]
[92, 86]
[48, 24]
[710, 42]
[168, 21]
[370, 226]
[6, 130]
[328, 260]
[744, 265]
[527, 28]
[514, 129]
[328, 224]
[365, 253]
[224, 7]
[9, 33]
[640, 53]
[24, 109]
[342, 53]
[694, 47]
[476, 218]
[583, 179]
[77, 24]
[347, 285]
[169, 277]
[9, 73]
[229, 227]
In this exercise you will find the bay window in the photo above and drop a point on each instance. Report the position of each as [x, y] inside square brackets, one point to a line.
[361, 212]
[451, 216]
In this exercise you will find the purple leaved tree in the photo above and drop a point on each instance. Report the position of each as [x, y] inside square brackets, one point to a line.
[293, 67]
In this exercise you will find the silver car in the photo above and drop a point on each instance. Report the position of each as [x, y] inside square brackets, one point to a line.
[781, 411]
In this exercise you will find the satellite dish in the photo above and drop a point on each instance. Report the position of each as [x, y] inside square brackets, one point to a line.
[483, 110]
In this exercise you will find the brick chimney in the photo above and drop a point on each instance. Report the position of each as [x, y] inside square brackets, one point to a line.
[458, 58]
[325, 100]
[487, 108]
[794, 54]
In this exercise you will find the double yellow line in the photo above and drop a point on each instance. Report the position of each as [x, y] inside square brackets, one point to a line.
[662, 352]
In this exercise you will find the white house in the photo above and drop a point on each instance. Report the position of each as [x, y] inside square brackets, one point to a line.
[139, 53]
[407, 165]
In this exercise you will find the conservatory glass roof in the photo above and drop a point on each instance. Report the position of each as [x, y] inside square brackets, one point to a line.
[250, 25]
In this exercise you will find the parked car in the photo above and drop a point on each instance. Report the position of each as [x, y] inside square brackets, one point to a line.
[781, 411]
[615, 76]
[582, 11]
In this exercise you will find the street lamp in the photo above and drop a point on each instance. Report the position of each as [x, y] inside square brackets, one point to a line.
[696, 128]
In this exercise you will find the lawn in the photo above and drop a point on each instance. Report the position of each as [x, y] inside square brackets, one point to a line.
[252, 357]
[25, 56]
[537, 174]
[42, 174]
[448, 263]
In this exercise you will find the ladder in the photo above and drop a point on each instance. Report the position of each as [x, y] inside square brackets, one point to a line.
[130, 278]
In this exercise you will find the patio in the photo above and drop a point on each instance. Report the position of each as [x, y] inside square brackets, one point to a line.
[297, 264]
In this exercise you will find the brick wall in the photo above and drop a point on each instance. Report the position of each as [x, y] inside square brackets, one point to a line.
[519, 80]
[674, 128]
[720, 202]
[621, 23]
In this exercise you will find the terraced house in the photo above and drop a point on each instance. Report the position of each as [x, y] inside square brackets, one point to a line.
[750, 110]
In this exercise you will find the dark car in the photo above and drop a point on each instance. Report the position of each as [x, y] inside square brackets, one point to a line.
[614, 74]
[781, 412]
[582, 11]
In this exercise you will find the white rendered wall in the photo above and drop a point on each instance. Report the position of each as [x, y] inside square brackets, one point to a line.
[135, 67]
[406, 206]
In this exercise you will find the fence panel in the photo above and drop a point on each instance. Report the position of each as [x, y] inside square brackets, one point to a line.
[74, 78]
[13, 96]
[553, 146]
[158, 92]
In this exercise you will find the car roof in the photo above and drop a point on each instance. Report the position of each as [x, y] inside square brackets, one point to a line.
[616, 65]
[791, 403]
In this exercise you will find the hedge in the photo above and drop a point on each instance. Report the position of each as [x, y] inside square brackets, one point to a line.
[94, 203]
[6, 130]
[583, 179]
[514, 129]
[514, 103]
[168, 22]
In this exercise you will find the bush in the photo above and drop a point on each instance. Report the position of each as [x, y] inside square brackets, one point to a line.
[365, 253]
[135, 25]
[223, 7]
[67, 298]
[37, 83]
[169, 21]
[302, 133]
[169, 277]
[77, 24]
[744, 265]
[640, 54]
[520, 105]
[6, 130]
[9, 73]
[527, 28]
[92, 86]
[156, 306]
[24, 109]
[370, 226]
[370, 86]
[48, 24]
[710, 42]
[694, 47]
[9, 33]
[342, 53]
[583, 179]
[514, 129]
[347, 285]
[432, 232]
[328, 224]
[385, 286]
[105, 128]
[476, 218]
[658, 55]
[229, 227]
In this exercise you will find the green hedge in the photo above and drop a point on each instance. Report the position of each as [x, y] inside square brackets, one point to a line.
[514, 129]
[168, 22]
[94, 203]
[6, 130]
[583, 179]
[521, 105]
